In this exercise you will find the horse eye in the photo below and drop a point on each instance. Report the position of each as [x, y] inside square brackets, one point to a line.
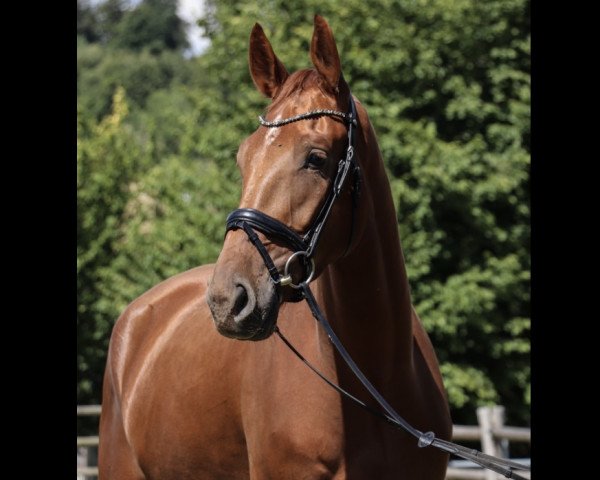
[315, 161]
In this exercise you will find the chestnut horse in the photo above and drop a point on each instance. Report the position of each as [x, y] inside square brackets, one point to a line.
[185, 400]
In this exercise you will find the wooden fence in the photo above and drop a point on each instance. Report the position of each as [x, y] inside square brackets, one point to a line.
[491, 432]
[87, 447]
[494, 438]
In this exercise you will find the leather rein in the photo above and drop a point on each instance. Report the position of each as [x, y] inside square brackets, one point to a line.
[304, 246]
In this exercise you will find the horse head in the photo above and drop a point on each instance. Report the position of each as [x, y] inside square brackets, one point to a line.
[290, 168]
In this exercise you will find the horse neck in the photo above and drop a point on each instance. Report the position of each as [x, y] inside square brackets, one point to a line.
[366, 294]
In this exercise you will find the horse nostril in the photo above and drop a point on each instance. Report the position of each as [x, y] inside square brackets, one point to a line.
[241, 299]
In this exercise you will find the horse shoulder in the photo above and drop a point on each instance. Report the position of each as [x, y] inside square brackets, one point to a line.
[139, 336]
[144, 319]
[170, 371]
[148, 318]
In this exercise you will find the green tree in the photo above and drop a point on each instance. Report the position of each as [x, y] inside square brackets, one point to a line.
[152, 25]
[97, 23]
[100, 70]
[108, 156]
[87, 22]
[110, 13]
[169, 227]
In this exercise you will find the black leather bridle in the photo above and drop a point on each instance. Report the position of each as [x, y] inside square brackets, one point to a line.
[304, 247]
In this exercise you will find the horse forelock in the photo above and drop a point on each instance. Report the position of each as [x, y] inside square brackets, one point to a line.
[297, 82]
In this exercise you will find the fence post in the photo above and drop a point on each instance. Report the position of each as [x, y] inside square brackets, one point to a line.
[82, 460]
[501, 444]
[488, 445]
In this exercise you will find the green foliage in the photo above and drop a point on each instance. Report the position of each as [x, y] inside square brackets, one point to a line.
[109, 14]
[446, 84]
[108, 158]
[464, 382]
[87, 22]
[101, 70]
[168, 227]
[152, 25]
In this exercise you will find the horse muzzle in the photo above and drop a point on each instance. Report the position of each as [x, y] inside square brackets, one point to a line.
[242, 309]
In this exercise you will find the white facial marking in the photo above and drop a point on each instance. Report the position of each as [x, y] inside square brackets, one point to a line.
[272, 135]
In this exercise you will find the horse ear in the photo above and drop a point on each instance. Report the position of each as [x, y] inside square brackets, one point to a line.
[267, 72]
[324, 54]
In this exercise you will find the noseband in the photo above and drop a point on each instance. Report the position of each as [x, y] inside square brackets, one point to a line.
[303, 246]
